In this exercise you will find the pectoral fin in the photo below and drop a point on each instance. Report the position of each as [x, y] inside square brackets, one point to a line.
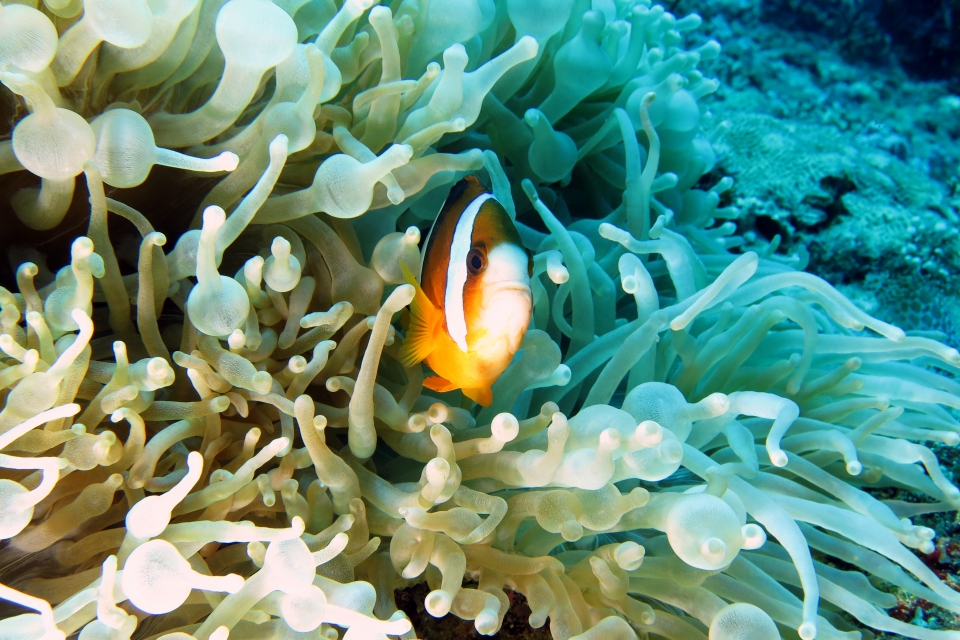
[424, 323]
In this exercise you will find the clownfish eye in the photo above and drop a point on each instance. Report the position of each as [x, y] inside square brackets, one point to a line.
[476, 261]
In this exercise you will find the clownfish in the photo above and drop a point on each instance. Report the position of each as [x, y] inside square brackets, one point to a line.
[473, 302]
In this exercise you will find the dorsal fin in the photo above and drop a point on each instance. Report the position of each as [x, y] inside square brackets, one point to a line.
[424, 324]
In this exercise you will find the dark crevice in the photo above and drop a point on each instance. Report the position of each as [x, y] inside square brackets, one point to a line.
[830, 202]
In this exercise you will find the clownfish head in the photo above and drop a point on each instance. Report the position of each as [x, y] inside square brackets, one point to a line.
[497, 301]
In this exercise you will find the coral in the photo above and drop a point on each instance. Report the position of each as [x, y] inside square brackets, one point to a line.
[688, 434]
[867, 160]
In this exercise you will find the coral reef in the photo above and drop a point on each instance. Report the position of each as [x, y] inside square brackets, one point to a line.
[214, 436]
[868, 162]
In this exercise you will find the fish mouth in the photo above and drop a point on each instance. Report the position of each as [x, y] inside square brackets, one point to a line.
[514, 286]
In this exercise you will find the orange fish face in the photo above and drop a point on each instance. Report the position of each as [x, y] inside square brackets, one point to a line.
[475, 304]
[498, 304]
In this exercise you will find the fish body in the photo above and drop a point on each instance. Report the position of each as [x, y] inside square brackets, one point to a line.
[473, 301]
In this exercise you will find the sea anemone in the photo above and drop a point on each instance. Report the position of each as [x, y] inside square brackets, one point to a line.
[684, 447]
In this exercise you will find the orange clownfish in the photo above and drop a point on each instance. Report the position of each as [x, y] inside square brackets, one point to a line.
[473, 302]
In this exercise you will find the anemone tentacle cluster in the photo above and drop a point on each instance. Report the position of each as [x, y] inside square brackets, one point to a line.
[219, 439]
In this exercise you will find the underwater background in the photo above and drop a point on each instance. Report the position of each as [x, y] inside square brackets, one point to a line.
[828, 143]
[855, 105]
[861, 100]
